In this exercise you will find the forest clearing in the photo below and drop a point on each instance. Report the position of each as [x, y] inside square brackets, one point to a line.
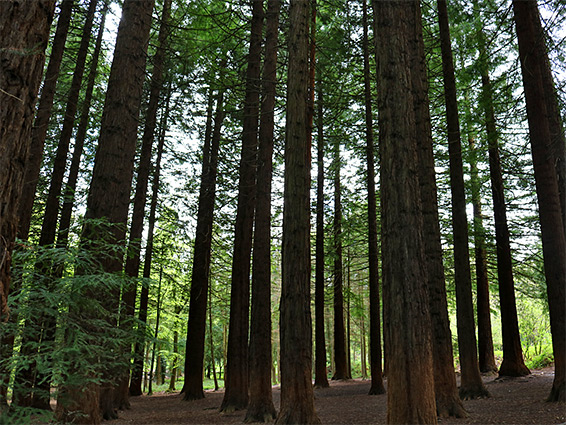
[273, 197]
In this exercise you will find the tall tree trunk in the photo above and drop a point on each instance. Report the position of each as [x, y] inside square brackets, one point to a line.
[37, 387]
[196, 328]
[471, 382]
[410, 363]
[43, 114]
[534, 60]
[341, 371]
[237, 374]
[448, 402]
[20, 78]
[175, 363]
[513, 363]
[132, 266]
[297, 397]
[377, 386]
[320, 372]
[485, 340]
[109, 195]
[71, 185]
[261, 408]
[137, 368]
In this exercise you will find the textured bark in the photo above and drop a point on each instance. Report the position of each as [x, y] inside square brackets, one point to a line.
[340, 359]
[136, 226]
[137, 368]
[261, 408]
[448, 402]
[297, 397]
[321, 373]
[43, 114]
[486, 355]
[71, 185]
[377, 386]
[237, 378]
[24, 28]
[471, 383]
[534, 59]
[410, 365]
[196, 327]
[109, 194]
[513, 363]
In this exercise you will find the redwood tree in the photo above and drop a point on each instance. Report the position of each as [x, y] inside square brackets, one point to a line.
[410, 367]
[236, 382]
[538, 96]
[109, 194]
[196, 327]
[261, 408]
[297, 397]
[24, 27]
[43, 114]
[448, 402]
[471, 382]
[377, 386]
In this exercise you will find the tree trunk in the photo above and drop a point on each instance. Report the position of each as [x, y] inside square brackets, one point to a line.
[20, 77]
[70, 187]
[39, 394]
[320, 372]
[513, 363]
[109, 194]
[297, 397]
[42, 116]
[534, 60]
[341, 371]
[132, 266]
[237, 382]
[192, 387]
[410, 363]
[471, 383]
[448, 402]
[485, 340]
[377, 386]
[137, 368]
[261, 408]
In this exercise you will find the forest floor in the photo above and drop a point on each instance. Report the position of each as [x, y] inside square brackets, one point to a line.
[512, 401]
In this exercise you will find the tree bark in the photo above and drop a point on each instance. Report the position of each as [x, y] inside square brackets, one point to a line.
[297, 397]
[448, 402]
[377, 386]
[132, 266]
[109, 194]
[261, 408]
[20, 78]
[19, 83]
[410, 364]
[534, 59]
[196, 327]
[43, 114]
[237, 374]
[471, 383]
[485, 340]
